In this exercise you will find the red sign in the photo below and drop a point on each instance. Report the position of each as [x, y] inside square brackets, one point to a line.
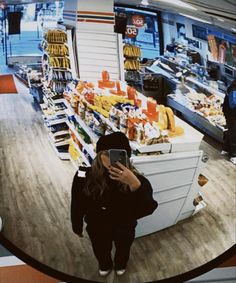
[131, 31]
[138, 21]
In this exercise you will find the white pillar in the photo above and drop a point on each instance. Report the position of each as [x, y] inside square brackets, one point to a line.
[90, 14]
[97, 43]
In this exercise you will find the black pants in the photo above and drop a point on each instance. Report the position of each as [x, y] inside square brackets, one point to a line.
[230, 136]
[102, 239]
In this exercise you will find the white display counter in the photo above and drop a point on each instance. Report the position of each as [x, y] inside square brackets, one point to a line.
[174, 178]
[173, 175]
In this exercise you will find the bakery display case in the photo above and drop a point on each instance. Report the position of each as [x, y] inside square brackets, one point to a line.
[203, 108]
[198, 102]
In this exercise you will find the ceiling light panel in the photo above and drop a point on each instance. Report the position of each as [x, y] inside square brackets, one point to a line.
[179, 4]
[144, 2]
[195, 18]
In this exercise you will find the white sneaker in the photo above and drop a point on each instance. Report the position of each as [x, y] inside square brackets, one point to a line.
[104, 272]
[233, 160]
[223, 152]
[120, 272]
[1, 224]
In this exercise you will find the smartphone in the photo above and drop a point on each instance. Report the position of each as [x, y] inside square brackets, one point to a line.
[118, 155]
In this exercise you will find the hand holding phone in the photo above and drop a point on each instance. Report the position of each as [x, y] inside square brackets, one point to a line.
[118, 155]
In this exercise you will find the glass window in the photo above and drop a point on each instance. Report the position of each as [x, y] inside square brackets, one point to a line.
[34, 18]
[142, 30]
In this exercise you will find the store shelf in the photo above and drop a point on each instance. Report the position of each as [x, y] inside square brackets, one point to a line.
[49, 100]
[61, 155]
[88, 131]
[56, 121]
[60, 133]
[53, 115]
[84, 144]
[81, 153]
[57, 143]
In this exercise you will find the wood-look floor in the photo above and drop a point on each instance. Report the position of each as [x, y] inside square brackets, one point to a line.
[35, 200]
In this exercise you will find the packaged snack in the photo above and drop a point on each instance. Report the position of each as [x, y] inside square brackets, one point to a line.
[140, 133]
[124, 122]
[99, 127]
[81, 110]
[114, 117]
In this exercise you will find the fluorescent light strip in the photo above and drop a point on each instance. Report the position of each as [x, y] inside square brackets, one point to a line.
[144, 2]
[194, 18]
[221, 20]
[179, 3]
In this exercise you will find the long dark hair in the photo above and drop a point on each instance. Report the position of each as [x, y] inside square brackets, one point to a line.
[97, 178]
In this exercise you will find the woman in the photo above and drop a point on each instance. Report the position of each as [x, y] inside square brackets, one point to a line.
[110, 200]
[230, 116]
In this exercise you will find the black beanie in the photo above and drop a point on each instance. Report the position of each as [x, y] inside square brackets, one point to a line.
[115, 140]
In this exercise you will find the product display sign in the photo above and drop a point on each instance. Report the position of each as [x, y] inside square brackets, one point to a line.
[142, 30]
[138, 20]
[131, 31]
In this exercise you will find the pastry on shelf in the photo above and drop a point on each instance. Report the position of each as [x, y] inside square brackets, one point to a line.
[179, 131]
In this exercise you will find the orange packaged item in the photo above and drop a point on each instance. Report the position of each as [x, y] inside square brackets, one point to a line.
[131, 129]
[138, 102]
[105, 82]
[90, 97]
[118, 90]
[132, 94]
[151, 105]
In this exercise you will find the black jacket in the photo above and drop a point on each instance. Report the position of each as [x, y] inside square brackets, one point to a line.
[113, 208]
[228, 112]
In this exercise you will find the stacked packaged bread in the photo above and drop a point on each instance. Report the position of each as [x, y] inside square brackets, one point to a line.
[145, 121]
